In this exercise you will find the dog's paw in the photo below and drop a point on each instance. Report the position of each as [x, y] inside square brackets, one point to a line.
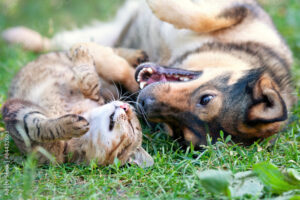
[140, 57]
[133, 56]
[27, 38]
[73, 126]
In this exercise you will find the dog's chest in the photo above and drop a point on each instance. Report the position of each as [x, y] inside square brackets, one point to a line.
[179, 42]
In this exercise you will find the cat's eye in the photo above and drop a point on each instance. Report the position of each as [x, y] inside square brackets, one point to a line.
[205, 99]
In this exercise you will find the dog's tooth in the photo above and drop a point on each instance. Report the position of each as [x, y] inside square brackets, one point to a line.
[139, 77]
[186, 79]
[181, 78]
[150, 70]
[176, 76]
[143, 84]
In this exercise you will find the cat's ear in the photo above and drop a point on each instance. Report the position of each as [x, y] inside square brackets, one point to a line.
[141, 158]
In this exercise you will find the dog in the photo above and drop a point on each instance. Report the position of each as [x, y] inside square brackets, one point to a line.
[215, 66]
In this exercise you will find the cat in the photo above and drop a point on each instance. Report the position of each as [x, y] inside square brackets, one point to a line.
[59, 102]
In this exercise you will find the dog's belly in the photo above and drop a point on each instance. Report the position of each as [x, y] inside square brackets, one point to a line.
[162, 41]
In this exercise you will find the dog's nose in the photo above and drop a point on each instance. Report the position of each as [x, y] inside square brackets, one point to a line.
[146, 103]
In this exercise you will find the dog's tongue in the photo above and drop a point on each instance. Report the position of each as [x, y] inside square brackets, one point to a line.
[157, 78]
[149, 73]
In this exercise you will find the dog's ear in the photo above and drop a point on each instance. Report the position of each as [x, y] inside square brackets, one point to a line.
[268, 105]
[141, 158]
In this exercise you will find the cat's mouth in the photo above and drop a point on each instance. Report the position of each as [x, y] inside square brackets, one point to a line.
[120, 112]
[111, 121]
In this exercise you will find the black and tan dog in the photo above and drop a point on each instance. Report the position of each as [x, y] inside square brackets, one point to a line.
[221, 65]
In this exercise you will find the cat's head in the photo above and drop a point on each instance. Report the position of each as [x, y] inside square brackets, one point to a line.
[115, 132]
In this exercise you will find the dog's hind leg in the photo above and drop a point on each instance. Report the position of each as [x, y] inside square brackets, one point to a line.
[104, 33]
[202, 16]
[29, 39]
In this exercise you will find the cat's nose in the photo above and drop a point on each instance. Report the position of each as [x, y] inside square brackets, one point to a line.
[125, 107]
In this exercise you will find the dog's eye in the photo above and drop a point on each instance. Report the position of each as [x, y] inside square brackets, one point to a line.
[205, 99]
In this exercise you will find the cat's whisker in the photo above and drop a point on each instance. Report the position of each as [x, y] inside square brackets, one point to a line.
[119, 92]
[112, 97]
[143, 113]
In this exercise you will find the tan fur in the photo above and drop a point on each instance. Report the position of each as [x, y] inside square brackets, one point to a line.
[198, 16]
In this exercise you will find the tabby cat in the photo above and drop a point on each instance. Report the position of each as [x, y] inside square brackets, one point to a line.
[60, 102]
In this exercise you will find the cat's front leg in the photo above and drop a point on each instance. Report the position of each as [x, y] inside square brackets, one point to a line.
[84, 69]
[27, 122]
[115, 65]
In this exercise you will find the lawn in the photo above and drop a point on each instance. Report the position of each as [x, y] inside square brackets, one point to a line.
[173, 175]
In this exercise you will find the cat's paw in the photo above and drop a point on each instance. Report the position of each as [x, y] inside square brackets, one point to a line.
[80, 55]
[88, 82]
[90, 87]
[73, 125]
[85, 72]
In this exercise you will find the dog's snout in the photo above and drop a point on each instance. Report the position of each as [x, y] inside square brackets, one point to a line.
[146, 103]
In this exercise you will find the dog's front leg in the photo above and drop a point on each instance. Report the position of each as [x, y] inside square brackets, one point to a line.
[133, 56]
[202, 16]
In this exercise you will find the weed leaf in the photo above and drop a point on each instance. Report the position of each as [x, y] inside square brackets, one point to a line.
[276, 181]
[216, 181]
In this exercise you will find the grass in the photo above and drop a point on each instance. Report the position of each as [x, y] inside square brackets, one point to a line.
[173, 175]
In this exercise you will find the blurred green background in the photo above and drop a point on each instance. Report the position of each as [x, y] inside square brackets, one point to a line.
[173, 175]
[49, 16]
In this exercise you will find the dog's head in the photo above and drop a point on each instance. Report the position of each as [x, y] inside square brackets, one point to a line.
[245, 103]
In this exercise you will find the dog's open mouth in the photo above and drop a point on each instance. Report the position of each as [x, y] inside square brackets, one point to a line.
[148, 73]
